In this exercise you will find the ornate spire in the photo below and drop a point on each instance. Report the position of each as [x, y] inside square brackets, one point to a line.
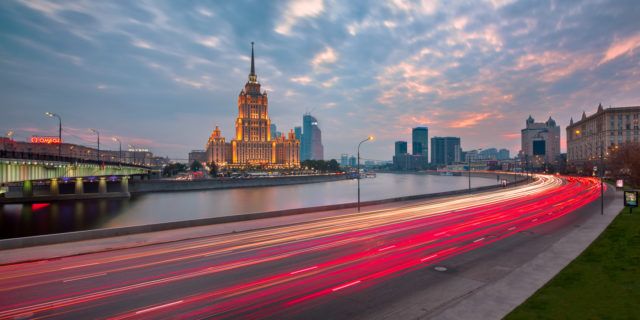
[253, 78]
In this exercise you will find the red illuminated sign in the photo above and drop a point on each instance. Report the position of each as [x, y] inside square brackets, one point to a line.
[48, 140]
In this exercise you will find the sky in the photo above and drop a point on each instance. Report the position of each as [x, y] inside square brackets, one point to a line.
[162, 74]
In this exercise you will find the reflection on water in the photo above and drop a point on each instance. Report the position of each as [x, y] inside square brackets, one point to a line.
[56, 217]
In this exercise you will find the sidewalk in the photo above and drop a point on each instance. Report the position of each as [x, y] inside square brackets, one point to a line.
[497, 299]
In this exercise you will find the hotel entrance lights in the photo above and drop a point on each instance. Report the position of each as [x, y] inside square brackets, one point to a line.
[59, 131]
[358, 172]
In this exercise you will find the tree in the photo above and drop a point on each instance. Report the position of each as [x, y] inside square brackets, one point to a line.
[624, 163]
[213, 169]
[195, 165]
[173, 169]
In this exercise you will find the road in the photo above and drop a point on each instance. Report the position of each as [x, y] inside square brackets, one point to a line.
[350, 266]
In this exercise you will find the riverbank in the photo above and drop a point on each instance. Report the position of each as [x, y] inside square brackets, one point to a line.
[147, 186]
[131, 187]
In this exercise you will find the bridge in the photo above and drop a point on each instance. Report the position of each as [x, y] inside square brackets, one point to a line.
[30, 177]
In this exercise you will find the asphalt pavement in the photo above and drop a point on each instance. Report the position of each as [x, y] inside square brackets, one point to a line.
[484, 283]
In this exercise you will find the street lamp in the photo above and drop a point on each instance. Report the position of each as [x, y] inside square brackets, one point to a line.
[120, 145]
[98, 134]
[358, 172]
[4, 142]
[59, 132]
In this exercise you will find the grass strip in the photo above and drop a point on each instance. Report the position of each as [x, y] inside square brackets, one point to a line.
[601, 283]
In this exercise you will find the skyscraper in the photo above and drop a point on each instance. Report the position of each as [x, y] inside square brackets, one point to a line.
[445, 150]
[401, 147]
[253, 144]
[273, 131]
[420, 140]
[311, 148]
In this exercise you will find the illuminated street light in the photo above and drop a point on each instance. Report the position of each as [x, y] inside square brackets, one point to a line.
[358, 172]
[4, 142]
[97, 133]
[120, 145]
[59, 132]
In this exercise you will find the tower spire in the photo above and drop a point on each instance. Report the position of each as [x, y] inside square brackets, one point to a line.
[252, 75]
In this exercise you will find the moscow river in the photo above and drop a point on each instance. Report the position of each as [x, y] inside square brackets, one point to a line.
[46, 218]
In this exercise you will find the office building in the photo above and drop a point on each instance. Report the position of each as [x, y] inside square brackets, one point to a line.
[445, 151]
[344, 160]
[311, 148]
[593, 135]
[420, 141]
[401, 147]
[541, 141]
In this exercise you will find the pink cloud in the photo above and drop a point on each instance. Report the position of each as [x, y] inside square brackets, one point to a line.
[470, 120]
[620, 47]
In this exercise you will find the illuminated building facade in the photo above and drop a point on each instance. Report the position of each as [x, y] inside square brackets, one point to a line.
[608, 128]
[253, 145]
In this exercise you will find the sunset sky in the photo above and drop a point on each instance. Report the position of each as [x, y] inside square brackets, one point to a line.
[162, 74]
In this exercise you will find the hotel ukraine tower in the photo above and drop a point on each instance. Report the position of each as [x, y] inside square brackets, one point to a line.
[253, 145]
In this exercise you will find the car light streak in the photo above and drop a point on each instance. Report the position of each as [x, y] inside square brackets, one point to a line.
[353, 251]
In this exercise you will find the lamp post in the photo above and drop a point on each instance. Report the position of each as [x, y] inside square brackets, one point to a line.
[59, 132]
[358, 172]
[98, 134]
[4, 142]
[120, 147]
[601, 180]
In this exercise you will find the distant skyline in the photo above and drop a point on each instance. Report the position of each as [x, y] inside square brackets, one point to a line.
[161, 74]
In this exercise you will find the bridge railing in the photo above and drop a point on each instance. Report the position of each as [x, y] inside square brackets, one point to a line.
[72, 160]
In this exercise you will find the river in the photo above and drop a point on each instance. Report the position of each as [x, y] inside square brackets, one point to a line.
[46, 218]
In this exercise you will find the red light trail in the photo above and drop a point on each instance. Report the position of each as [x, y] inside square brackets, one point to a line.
[286, 269]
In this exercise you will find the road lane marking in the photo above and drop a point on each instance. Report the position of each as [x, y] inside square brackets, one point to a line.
[160, 306]
[91, 276]
[80, 266]
[303, 270]
[387, 248]
[474, 241]
[346, 285]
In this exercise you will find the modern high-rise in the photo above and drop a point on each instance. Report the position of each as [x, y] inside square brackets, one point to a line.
[445, 150]
[311, 147]
[541, 141]
[273, 131]
[253, 145]
[420, 141]
[344, 160]
[593, 135]
[503, 154]
[401, 147]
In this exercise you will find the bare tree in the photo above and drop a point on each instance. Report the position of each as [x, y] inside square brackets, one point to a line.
[624, 162]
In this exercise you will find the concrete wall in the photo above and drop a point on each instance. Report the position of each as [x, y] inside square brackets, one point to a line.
[144, 186]
[113, 232]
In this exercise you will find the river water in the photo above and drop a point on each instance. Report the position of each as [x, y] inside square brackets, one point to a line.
[46, 218]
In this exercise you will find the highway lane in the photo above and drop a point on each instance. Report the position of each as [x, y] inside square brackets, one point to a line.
[286, 271]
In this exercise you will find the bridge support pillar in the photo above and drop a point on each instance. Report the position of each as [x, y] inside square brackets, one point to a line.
[102, 185]
[124, 184]
[27, 189]
[79, 186]
[54, 189]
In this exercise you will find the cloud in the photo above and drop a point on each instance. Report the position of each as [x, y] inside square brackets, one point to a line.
[331, 82]
[302, 80]
[141, 44]
[469, 120]
[620, 47]
[192, 83]
[328, 56]
[209, 42]
[296, 11]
